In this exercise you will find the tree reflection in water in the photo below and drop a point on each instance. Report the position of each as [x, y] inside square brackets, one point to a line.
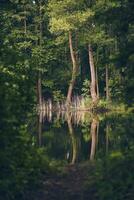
[94, 136]
[104, 137]
[73, 139]
[40, 118]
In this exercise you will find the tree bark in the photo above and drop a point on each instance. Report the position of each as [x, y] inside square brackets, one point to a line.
[107, 84]
[40, 21]
[39, 89]
[97, 84]
[93, 77]
[25, 18]
[74, 71]
[25, 26]
[39, 85]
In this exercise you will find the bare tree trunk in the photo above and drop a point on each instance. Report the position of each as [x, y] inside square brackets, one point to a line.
[107, 84]
[93, 77]
[25, 25]
[40, 15]
[94, 125]
[39, 85]
[74, 71]
[25, 22]
[39, 89]
[97, 84]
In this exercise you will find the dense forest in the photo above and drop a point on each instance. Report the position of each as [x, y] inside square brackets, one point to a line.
[68, 55]
[56, 49]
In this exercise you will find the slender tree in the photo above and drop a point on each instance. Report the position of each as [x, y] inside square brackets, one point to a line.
[39, 85]
[93, 76]
[74, 70]
[107, 83]
[65, 18]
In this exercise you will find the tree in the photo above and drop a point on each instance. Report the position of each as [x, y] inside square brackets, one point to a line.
[93, 87]
[65, 18]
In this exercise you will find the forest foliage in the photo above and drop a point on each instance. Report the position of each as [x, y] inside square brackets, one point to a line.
[48, 49]
[34, 44]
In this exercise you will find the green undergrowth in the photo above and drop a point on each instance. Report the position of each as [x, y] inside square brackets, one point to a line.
[106, 106]
[112, 178]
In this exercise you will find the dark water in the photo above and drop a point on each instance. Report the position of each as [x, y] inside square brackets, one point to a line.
[77, 137]
[30, 147]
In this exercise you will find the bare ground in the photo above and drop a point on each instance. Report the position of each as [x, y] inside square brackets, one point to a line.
[68, 186]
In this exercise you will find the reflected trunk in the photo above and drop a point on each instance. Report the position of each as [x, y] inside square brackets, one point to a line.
[97, 136]
[94, 130]
[40, 129]
[107, 137]
[73, 139]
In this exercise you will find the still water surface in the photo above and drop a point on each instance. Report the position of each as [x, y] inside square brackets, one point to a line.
[80, 136]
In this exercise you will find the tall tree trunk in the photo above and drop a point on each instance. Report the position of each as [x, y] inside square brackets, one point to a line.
[107, 84]
[25, 22]
[93, 77]
[39, 85]
[25, 25]
[74, 71]
[40, 15]
[97, 84]
[39, 89]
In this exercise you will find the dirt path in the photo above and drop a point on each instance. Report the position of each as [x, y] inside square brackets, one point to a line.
[70, 186]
